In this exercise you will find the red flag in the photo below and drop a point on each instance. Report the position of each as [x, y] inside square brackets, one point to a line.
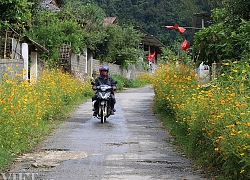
[185, 45]
[180, 29]
[151, 56]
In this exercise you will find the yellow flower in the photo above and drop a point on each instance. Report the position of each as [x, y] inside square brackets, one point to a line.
[246, 134]
[222, 102]
[211, 132]
[243, 105]
[11, 112]
[216, 149]
[239, 132]
[233, 133]
[221, 137]
[230, 126]
[226, 64]
[237, 104]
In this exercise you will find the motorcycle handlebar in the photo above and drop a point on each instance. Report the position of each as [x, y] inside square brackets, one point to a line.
[104, 88]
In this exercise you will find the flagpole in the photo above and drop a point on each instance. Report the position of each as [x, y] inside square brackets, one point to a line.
[192, 28]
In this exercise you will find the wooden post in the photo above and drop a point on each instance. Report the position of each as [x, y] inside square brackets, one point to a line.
[214, 71]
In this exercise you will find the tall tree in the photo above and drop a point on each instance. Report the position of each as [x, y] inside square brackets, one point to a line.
[120, 45]
[76, 23]
[227, 38]
[15, 13]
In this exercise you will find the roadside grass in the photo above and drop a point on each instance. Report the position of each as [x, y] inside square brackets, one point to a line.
[211, 124]
[31, 110]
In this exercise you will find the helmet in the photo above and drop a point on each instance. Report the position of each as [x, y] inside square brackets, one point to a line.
[104, 68]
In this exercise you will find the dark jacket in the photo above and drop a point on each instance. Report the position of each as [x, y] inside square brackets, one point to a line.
[108, 81]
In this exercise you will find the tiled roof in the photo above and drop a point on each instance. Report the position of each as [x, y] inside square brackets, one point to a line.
[31, 42]
[52, 5]
[109, 20]
[149, 39]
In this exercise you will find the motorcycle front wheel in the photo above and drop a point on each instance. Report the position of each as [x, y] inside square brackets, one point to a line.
[103, 116]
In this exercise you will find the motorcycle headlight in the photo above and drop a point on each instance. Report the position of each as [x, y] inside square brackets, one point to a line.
[103, 88]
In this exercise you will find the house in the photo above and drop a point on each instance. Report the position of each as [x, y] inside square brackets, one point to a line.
[51, 5]
[200, 20]
[32, 64]
[20, 55]
[150, 45]
[110, 20]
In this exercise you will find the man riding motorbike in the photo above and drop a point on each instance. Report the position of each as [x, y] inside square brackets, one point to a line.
[104, 78]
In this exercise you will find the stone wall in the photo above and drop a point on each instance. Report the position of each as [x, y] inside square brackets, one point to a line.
[80, 68]
[78, 65]
[11, 67]
[131, 72]
[41, 66]
[114, 68]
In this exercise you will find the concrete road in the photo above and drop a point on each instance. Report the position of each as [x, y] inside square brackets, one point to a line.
[131, 145]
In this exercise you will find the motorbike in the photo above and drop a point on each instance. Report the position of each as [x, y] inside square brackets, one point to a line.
[103, 100]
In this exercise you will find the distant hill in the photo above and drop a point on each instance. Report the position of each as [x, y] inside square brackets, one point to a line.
[152, 14]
